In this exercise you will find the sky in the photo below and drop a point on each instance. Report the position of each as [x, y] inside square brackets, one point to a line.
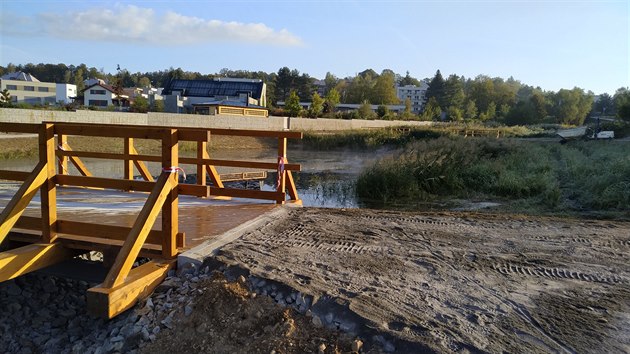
[550, 44]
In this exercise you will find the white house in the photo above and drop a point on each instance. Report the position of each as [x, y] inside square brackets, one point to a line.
[66, 93]
[416, 94]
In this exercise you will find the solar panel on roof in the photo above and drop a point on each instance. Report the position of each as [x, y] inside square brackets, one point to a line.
[211, 88]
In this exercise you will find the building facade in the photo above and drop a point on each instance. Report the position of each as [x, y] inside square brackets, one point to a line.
[416, 94]
[25, 88]
[66, 93]
[180, 95]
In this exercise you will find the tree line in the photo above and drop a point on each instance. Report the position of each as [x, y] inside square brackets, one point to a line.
[455, 98]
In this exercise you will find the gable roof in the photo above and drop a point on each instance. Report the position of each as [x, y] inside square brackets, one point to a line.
[215, 87]
[107, 87]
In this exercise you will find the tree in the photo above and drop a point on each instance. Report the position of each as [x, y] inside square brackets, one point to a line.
[316, 107]
[157, 106]
[331, 100]
[292, 105]
[454, 92]
[382, 111]
[454, 113]
[621, 100]
[365, 110]
[572, 106]
[436, 89]
[384, 90]
[432, 110]
[144, 82]
[140, 105]
[360, 89]
[408, 80]
[470, 112]
[539, 106]
[5, 98]
[330, 81]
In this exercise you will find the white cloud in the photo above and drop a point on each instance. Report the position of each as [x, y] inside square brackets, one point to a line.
[132, 24]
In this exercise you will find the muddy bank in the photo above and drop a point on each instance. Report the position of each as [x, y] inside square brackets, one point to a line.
[456, 281]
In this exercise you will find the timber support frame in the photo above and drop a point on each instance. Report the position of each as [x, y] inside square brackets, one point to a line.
[64, 239]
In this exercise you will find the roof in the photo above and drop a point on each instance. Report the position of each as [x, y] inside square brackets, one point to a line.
[107, 87]
[20, 76]
[215, 87]
[230, 103]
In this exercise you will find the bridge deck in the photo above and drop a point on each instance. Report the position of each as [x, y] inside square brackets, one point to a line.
[199, 219]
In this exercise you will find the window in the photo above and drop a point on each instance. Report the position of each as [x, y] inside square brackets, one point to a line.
[29, 88]
[97, 103]
[97, 92]
[42, 89]
[11, 87]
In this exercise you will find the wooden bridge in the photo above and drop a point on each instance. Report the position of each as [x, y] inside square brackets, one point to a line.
[49, 239]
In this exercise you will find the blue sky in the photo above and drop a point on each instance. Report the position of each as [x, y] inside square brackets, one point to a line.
[551, 44]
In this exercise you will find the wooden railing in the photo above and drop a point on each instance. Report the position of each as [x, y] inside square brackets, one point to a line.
[61, 238]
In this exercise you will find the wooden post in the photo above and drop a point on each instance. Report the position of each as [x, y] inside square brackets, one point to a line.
[48, 192]
[282, 158]
[170, 152]
[62, 142]
[201, 168]
[128, 167]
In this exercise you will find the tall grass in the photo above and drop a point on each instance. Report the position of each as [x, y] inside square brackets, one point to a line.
[588, 176]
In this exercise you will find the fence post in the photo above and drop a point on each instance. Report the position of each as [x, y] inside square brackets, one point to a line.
[48, 192]
[170, 152]
[201, 168]
[282, 159]
[128, 149]
[62, 141]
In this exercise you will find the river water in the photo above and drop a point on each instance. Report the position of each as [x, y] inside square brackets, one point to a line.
[327, 178]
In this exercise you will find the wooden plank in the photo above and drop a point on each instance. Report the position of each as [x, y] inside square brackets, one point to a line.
[292, 189]
[14, 175]
[257, 133]
[201, 169]
[14, 209]
[127, 163]
[83, 170]
[107, 302]
[212, 172]
[112, 131]
[246, 193]
[198, 135]
[237, 163]
[282, 162]
[110, 156]
[101, 182]
[62, 142]
[140, 230]
[48, 190]
[170, 210]
[142, 168]
[19, 128]
[23, 260]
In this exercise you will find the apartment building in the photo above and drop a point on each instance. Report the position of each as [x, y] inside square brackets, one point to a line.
[416, 94]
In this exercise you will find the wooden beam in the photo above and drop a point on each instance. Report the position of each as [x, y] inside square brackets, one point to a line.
[108, 302]
[110, 156]
[23, 260]
[170, 210]
[282, 162]
[62, 142]
[112, 131]
[14, 175]
[212, 172]
[19, 128]
[237, 163]
[20, 200]
[101, 182]
[247, 193]
[128, 164]
[142, 168]
[257, 133]
[198, 135]
[66, 150]
[292, 189]
[140, 230]
[202, 153]
[48, 191]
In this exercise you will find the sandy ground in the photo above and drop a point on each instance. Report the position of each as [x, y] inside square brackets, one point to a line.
[456, 282]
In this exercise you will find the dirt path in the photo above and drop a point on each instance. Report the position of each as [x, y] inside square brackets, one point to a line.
[454, 281]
